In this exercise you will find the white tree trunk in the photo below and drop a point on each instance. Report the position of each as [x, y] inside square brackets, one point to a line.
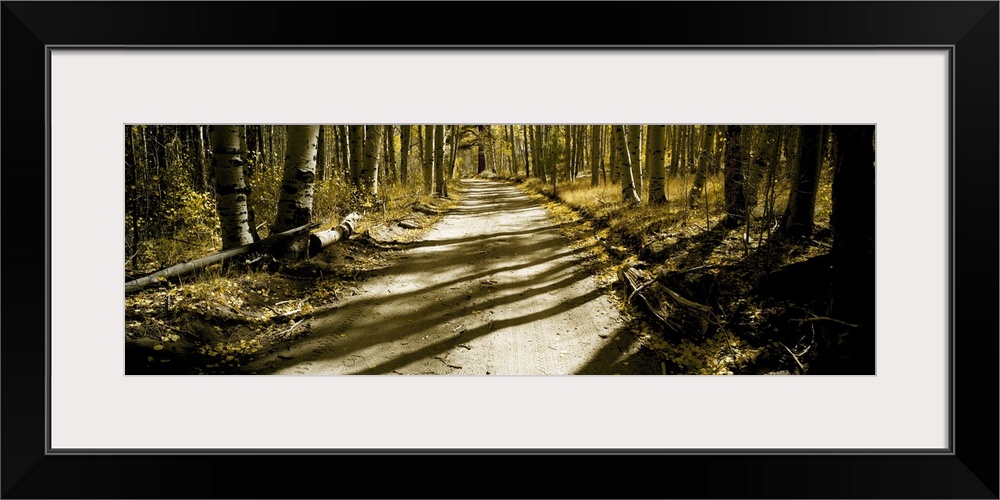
[635, 154]
[629, 193]
[428, 157]
[230, 188]
[369, 171]
[295, 203]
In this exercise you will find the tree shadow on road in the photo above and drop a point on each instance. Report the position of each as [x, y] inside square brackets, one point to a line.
[470, 239]
[493, 327]
[444, 284]
[433, 314]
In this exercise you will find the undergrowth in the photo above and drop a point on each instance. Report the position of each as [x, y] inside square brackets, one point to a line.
[218, 319]
[741, 273]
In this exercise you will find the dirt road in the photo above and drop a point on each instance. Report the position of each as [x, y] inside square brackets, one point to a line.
[493, 289]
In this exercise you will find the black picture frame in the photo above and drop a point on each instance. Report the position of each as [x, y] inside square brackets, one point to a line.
[969, 471]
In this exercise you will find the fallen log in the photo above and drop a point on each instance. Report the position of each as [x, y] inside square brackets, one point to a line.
[194, 265]
[271, 244]
[184, 268]
[319, 241]
[676, 312]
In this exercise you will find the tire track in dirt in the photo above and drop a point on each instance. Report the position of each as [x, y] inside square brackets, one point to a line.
[493, 289]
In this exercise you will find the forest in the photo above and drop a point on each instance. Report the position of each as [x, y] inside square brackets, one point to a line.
[503, 249]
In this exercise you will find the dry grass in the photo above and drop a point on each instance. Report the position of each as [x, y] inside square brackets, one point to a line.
[395, 202]
[604, 204]
[676, 237]
[213, 321]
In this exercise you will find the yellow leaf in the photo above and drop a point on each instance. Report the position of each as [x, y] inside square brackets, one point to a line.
[158, 347]
[229, 358]
[161, 278]
[150, 359]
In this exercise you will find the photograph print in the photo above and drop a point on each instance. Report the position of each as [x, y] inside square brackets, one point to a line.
[499, 249]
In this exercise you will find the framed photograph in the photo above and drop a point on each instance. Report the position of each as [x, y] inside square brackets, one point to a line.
[77, 423]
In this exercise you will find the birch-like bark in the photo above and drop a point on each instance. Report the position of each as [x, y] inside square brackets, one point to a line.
[428, 158]
[629, 193]
[230, 189]
[635, 154]
[295, 203]
[369, 169]
[704, 159]
[454, 153]
[357, 139]
[657, 142]
[345, 159]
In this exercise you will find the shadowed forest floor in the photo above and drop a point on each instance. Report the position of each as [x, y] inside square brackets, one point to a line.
[503, 282]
